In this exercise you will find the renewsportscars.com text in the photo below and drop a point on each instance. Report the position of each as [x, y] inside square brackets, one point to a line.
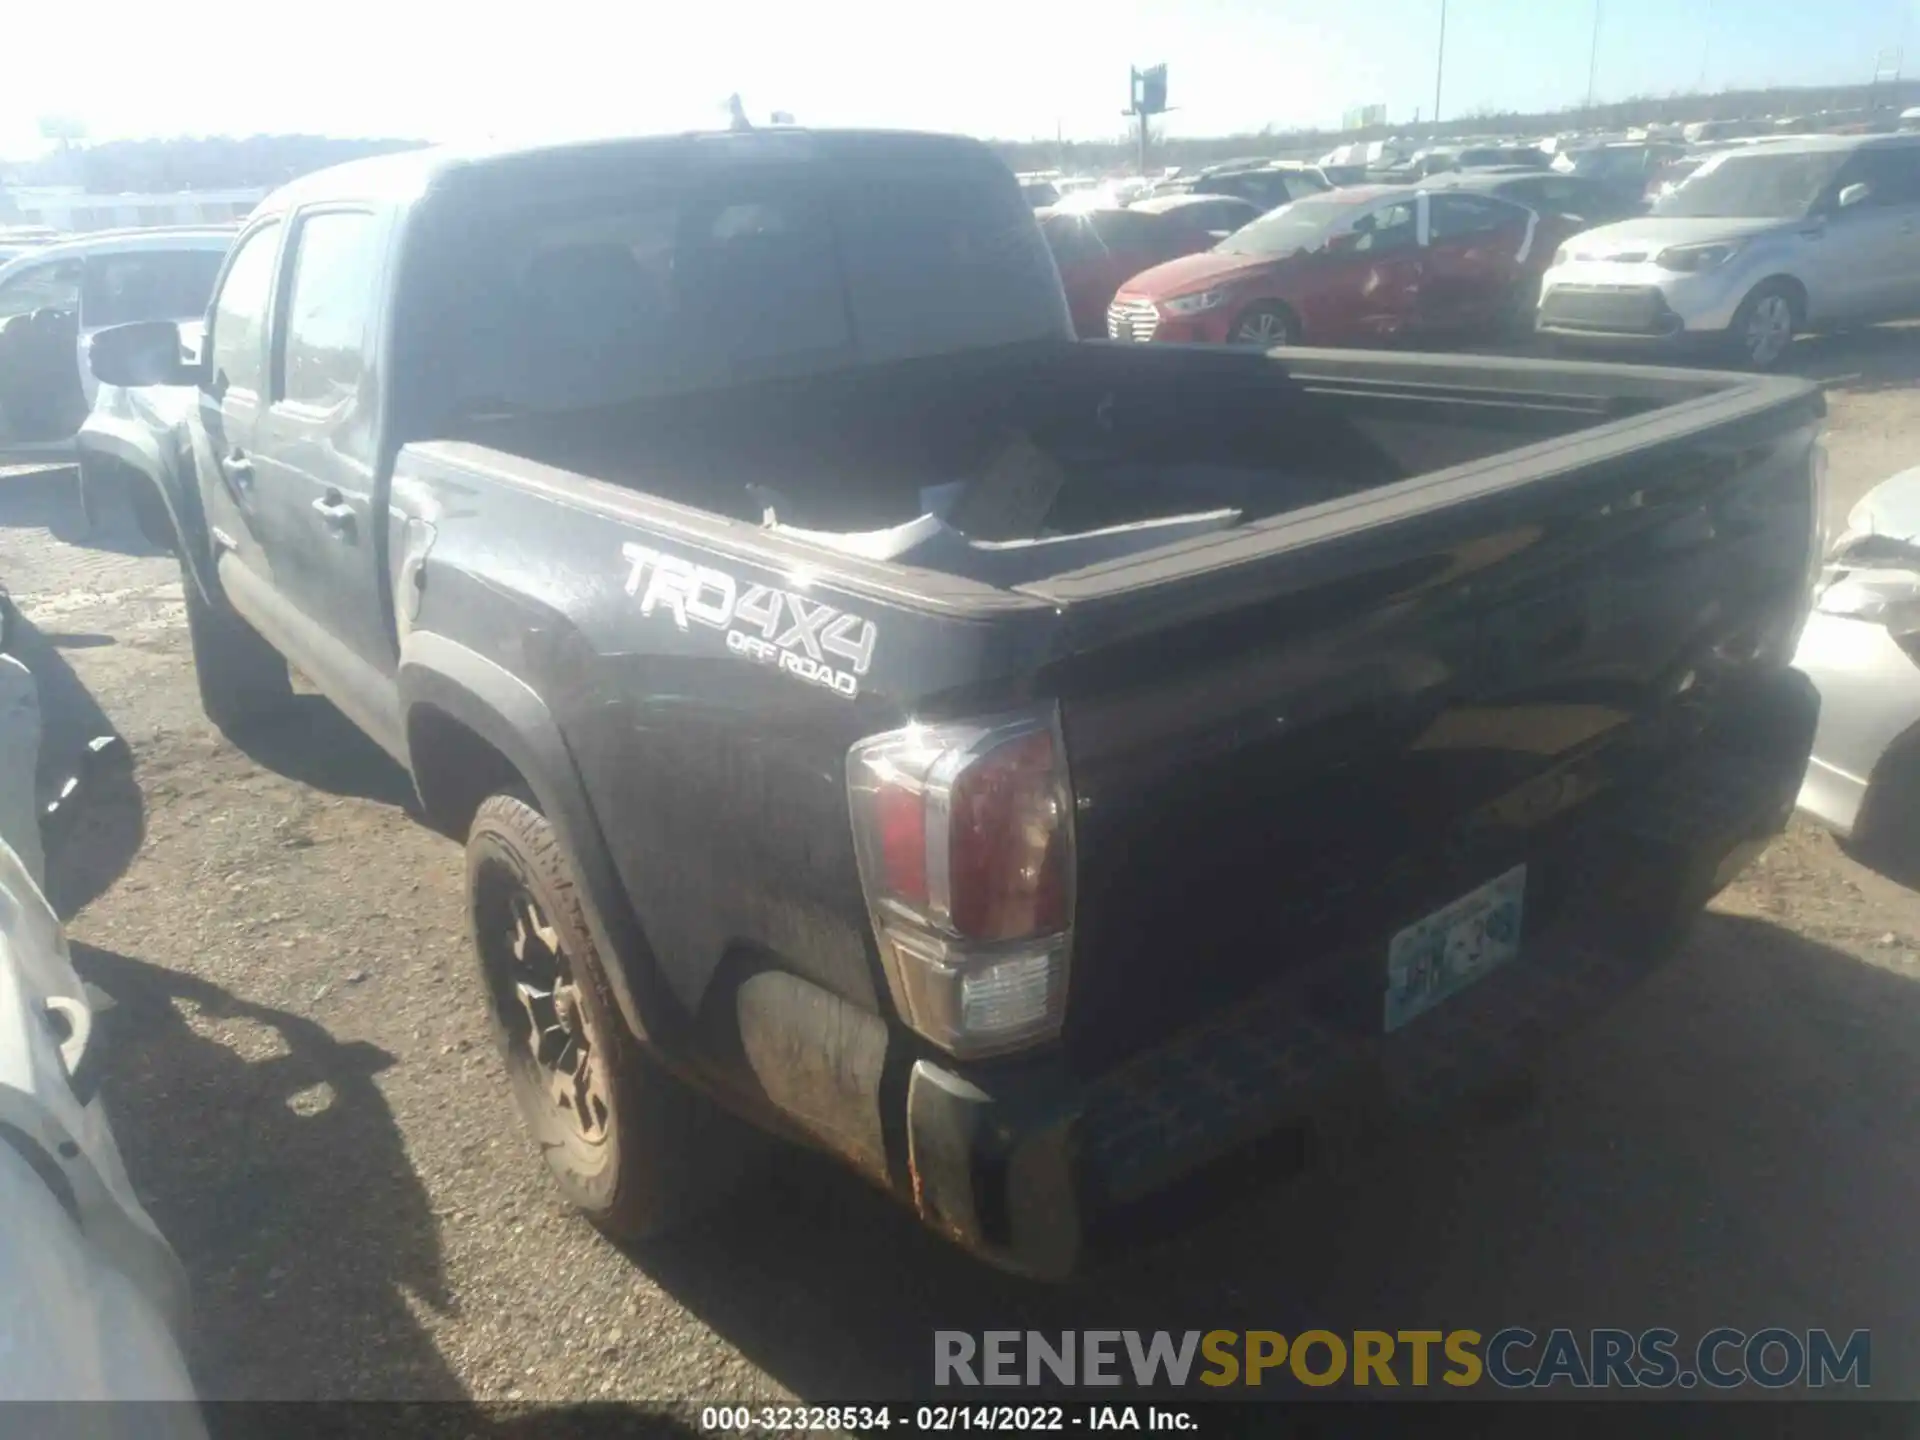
[1513, 1358]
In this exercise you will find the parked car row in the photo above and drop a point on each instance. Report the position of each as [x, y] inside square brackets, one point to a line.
[1763, 242]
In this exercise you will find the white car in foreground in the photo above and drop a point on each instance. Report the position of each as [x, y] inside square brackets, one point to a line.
[95, 1301]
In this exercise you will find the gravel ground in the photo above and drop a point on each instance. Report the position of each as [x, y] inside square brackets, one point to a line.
[307, 1097]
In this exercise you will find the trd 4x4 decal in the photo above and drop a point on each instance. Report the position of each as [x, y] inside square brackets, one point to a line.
[805, 638]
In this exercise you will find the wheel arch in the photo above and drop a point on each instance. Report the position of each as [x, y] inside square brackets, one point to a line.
[1893, 787]
[140, 451]
[1797, 294]
[472, 729]
[1296, 322]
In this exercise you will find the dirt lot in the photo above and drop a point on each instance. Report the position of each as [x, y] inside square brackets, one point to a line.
[307, 1097]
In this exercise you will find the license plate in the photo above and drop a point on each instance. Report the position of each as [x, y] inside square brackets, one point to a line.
[1442, 954]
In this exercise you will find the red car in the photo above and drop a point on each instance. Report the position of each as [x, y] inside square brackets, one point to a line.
[1351, 267]
[1096, 250]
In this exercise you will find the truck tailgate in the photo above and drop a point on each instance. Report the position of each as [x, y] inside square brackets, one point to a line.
[1386, 702]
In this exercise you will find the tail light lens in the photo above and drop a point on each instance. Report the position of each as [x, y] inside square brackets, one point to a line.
[965, 838]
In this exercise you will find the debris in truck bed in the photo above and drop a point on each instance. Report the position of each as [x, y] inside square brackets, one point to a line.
[931, 544]
[1011, 498]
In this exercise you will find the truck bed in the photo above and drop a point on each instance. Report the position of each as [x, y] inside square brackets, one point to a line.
[1449, 579]
[1151, 446]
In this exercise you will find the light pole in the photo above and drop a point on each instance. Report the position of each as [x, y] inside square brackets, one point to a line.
[1593, 54]
[1439, 65]
[1706, 49]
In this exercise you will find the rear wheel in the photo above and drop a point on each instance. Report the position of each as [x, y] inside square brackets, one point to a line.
[632, 1147]
[243, 680]
[1764, 326]
[1267, 326]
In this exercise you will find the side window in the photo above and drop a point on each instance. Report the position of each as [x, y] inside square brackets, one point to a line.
[1129, 231]
[1456, 217]
[1571, 197]
[1390, 228]
[1894, 175]
[148, 285]
[336, 269]
[1070, 237]
[1221, 216]
[238, 347]
[44, 287]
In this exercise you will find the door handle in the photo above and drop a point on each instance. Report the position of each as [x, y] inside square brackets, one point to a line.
[335, 512]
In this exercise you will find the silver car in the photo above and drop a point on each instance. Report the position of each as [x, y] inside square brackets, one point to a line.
[1861, 649]
[53, 299]
[1758, 244]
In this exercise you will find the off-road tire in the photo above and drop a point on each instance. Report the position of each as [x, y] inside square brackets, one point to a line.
[244, 681]
[667, 1154]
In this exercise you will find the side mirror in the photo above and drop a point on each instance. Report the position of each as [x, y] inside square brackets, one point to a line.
[1345, 244]
[1855, 194]
[148, 352]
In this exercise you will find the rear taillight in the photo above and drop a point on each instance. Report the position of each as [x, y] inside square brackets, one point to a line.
[964, 833]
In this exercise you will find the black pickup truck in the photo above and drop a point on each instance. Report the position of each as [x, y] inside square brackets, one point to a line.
[1032, 771]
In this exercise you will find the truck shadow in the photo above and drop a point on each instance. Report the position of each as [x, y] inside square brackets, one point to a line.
[1861, 362]
[1703, 1124]
[49, 498]
[313, 743]
[270, 1159]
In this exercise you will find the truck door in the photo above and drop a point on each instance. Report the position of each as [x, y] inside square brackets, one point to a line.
[40, 400]
[229, 407]
[315, 457]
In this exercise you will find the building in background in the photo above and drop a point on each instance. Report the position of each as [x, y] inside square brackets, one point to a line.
[1364, 117]
[71, 209]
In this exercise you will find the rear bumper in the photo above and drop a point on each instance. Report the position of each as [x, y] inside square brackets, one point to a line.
[1869, 707]
[1036, 1171]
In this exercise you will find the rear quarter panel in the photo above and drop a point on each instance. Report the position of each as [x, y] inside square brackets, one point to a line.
[716, 776]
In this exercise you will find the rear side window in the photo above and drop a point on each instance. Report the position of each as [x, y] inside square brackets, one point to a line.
[1549, 192]
[148, 285]
[1129, 230]
[1893, 172]
[1221, 214]
[336, 274]
[239, 345]
[1391, 227]
[1072, 238]
[1455, 217]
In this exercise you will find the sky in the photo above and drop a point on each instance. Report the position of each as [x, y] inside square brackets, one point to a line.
[1010, 69]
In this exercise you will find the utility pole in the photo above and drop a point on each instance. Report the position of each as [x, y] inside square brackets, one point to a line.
[1593, 58]
[1440, 62]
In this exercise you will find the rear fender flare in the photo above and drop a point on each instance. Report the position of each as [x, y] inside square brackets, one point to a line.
[505, 712]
